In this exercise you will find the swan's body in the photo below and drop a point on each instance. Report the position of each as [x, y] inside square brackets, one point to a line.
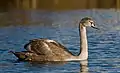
[50, 50]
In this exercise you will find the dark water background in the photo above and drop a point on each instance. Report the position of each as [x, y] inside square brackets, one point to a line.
[104, 44]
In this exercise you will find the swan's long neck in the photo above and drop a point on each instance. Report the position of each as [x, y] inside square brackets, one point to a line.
[83, 43]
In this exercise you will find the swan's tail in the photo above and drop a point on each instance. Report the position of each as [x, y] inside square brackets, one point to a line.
[20, 55]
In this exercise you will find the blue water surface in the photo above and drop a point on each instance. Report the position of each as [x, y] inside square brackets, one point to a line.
[104, 44]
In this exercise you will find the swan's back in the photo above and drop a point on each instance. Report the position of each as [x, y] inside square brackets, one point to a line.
[49, 48]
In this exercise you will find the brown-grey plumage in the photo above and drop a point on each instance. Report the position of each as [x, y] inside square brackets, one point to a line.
[44, 46]
[50, 50]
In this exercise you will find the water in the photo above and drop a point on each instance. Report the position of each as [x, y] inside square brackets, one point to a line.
[104, 45]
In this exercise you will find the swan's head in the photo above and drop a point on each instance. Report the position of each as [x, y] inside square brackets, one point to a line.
[88, 22]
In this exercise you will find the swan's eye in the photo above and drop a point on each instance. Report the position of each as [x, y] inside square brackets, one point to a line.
[91, 22]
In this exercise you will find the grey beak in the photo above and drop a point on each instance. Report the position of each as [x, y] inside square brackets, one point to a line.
[95, 27]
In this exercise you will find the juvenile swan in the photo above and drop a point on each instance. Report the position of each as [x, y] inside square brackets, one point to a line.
[50, 50]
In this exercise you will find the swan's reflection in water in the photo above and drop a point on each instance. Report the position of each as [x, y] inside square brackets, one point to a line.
[83, 65]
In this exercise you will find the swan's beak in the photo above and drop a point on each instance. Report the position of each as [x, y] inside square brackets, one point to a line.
[95, 27]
